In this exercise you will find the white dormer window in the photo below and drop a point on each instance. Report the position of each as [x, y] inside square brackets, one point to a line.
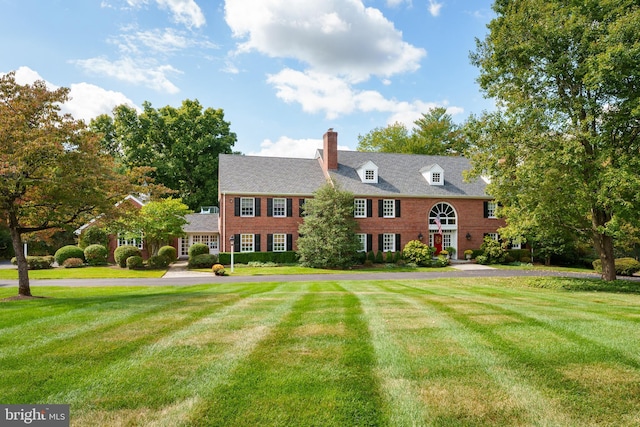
[434, 174]
[368, 173]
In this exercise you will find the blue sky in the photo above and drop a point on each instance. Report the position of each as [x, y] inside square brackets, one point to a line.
[283, 71]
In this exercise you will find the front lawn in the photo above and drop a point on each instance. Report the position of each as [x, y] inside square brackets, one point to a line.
[246, 270]
[110, 272]
[473, 352]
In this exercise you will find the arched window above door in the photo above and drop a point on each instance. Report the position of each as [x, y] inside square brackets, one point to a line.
[445, 212]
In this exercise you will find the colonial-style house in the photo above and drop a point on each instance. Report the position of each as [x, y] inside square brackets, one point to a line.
[397, 198]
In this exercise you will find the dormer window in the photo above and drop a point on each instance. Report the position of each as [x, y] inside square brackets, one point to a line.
[434, 174]
[368, 173]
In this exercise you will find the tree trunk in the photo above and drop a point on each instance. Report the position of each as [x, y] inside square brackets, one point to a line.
[23, 269]
[603, 244]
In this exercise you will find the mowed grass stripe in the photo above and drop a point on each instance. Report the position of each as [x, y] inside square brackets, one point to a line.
[197, 358]
[456, 377]
[541, 356]
[124, 325]
[315, 368]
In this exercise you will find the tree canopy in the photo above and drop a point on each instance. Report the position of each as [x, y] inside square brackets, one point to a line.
[564, 140]
[434, 133]
[181, 144]
[52, 172]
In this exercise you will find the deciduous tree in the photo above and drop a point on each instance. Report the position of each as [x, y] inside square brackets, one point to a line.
[52, 173]
[181, 144]
[564, 139]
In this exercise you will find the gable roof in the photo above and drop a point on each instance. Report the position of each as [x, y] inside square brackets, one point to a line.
[398, 175]
[269, 175]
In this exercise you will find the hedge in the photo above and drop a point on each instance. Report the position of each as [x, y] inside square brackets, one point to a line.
[289, 257]
[198, 249]
[36, 262]
[624, 266]
[202, 261]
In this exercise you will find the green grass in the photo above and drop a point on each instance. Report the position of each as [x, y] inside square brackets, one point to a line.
[245, 270]
[473, 352]
[111, 272]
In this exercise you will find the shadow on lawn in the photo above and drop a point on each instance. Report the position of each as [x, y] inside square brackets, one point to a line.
[587, 285]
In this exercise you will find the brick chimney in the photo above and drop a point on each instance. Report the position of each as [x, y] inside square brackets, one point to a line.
[330, 150]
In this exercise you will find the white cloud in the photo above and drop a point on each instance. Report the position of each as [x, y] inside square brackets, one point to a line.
[185, 12]
[288, 147]
[434, 7]
[144, 72]
[333, 96]
[86, 100]
[339, 37]
[164, 41]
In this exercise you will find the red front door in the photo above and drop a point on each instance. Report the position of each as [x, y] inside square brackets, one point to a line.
[437, 243]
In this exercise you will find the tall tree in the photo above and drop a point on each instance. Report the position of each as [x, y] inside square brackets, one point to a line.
[434, 133]
[327, 234]
[566, 77]
[52, 173]
[181, 144]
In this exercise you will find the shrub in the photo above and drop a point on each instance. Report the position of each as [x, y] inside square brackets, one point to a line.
[417, 252]
[96, 255]
[493, 250]
[36, 262]
[158, 261]
[67, 252]
[371, 257]
[468, 253]
[624, 266]
[202, 261]
[168, 252]
[482, 259]
[73, 263]
[379, 257]
[93, 236]
[288, 257]
[135, 262]
[218, 270]
[440, 261]
[198, 249]
[450, 250]
[444, 253]
[123, 252]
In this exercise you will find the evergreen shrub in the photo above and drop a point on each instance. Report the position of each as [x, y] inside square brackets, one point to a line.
[123, 252]
[69, 251]
[96, 255]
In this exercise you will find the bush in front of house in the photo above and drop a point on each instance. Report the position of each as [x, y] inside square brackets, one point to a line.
[158, 261]
[288, 257]
[169, 252]
[493, 250]
[417, 253]
[93, 235]
[73, 263]
[122, 253]
[36, 262]
[67, 252]
[198, 249]
[135, 262]
[218, 270]
[96, 255]
[624, 266]
[202, 261]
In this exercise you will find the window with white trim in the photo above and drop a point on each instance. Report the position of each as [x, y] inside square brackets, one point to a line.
[246, 243]
[360, 208]
[280, 207]
[279, 242]
[388, 242]
[136, 241]
[363, 242]
[388, 208]
[494, 236]
[247, 205]
[369, 175]
[491, 209]
[435, 178]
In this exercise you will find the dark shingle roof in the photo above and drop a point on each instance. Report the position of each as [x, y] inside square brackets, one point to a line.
[269, 175]
[201, 223]
[398, 175]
